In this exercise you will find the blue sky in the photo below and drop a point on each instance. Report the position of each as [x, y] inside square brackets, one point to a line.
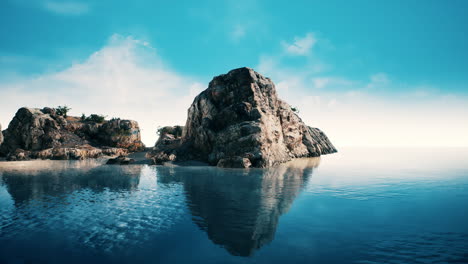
[337, 56]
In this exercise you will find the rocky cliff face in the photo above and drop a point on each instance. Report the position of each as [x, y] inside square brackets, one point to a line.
[42, 133]
[239, 121]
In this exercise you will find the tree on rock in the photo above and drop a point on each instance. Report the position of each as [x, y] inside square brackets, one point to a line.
[62, 110]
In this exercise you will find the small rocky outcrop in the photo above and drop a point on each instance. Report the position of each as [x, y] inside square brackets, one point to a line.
[43, 134]
[120, 160]
[239, 121]
[169, 141]
[121, 134]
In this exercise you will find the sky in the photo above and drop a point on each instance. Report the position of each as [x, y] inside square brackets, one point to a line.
[368, 73]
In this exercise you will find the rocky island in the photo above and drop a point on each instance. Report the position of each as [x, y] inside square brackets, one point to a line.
[48, 133]
[240, 122]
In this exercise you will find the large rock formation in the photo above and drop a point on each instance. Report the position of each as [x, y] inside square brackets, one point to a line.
[42, 133]
[239, 121]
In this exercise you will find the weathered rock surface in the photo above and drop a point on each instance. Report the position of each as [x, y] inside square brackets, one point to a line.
[239, 121]
[42, 134]
[121, 134]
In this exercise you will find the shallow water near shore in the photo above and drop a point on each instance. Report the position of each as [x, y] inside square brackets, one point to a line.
[356, 206]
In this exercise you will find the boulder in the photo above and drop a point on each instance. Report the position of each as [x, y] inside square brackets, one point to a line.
[168, 142]
[239, 121]
[122, 134]
[31, 129]
[43, 134]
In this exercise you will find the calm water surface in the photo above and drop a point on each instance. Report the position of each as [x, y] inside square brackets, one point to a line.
[357, 206]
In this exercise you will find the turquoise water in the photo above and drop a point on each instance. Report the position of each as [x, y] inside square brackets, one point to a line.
[357, 206]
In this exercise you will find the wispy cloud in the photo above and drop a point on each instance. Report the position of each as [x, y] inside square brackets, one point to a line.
[301, 46]
[126, 78]
[378, 80]
[66, 7]
[238, 32]
[331, 82]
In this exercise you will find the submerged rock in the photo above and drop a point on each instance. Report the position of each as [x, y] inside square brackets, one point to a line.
[239, 121]
[43, 134]
[121, 160]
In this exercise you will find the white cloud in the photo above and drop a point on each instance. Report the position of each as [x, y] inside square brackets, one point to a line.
[378, 80]
[126, 79]
[66, 7]
[353, 117]
[301, 45]
[331, 82]
[320, 82]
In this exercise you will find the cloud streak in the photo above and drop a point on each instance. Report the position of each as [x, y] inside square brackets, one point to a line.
[66, 7]
[301, 46]
[238, 32]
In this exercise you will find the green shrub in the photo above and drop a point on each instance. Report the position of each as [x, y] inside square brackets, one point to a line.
[93, 118]
[124, 132]
[62, 110]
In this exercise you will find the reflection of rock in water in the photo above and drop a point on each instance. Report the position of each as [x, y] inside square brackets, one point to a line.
[35, 180]
[239, 209]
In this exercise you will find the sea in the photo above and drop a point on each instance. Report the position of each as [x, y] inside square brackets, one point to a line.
[360, 205]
